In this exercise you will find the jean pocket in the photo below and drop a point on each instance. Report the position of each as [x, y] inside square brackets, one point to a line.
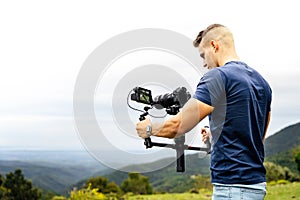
[220, 192]
[252, 194]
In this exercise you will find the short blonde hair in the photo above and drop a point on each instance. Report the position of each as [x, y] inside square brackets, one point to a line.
[203, 33]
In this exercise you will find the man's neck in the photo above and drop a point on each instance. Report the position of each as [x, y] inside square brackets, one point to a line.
[229, 58]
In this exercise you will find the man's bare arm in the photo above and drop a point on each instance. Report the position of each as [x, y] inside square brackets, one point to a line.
[267, 125]
[190, 115]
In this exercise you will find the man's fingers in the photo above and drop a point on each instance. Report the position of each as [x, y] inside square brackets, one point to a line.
[205, 135]
[204, 139]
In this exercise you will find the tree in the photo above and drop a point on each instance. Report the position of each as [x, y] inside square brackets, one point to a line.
[297, 159]
[137, 184]
[18, 188]
[201, 182]
[2, 189]
[277, 172]
[86, 194]
[102, 185]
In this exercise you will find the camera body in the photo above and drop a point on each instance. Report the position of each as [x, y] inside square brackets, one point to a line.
[172, 102]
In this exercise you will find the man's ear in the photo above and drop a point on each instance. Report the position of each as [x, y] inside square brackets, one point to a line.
[214, 44]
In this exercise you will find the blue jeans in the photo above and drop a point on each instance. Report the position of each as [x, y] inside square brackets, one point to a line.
[232, 192]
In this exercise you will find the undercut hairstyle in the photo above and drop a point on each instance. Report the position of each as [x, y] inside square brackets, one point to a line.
[202, 34]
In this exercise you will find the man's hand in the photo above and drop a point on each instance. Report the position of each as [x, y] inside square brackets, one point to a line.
[205, 134]
[141, 128]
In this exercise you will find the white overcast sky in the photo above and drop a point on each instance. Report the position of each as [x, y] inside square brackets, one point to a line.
[43, 45]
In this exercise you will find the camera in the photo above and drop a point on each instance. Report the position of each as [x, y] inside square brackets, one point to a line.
[171, 101]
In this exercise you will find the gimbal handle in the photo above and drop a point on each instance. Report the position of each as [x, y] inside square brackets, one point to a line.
[179, 147]
[147, 142]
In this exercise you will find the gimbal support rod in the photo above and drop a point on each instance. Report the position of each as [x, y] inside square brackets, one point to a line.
[149, 144]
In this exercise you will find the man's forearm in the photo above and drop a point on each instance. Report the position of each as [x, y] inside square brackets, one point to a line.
[168, 129]
[192, 113]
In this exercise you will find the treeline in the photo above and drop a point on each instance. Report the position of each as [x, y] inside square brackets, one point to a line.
[15, 187]
[101, 188]
[284, 166]
[289, 159]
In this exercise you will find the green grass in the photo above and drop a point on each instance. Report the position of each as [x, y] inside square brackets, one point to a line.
[182, 196]
[274, 192]
[283, 191]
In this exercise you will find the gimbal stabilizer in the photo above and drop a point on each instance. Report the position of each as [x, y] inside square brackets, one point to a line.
[172, 103]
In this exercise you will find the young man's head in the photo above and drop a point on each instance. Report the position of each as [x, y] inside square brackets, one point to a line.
[215, 45]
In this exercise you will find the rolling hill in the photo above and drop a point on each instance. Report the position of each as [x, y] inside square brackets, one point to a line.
[284, 140]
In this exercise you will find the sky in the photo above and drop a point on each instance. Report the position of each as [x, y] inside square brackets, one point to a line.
[44, 44]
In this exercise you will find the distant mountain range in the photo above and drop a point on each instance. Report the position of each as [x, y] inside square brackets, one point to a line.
[279, 147]
[54, 171]
[61, 175]
[284, 140]
[51, 178]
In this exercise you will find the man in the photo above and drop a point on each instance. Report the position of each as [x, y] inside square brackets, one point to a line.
[237, 100]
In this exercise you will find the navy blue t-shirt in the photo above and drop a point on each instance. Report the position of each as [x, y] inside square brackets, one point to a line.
[241, 98]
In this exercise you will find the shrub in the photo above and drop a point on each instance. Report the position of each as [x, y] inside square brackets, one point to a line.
[87, 193]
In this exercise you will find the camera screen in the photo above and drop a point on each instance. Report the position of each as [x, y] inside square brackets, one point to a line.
[145, 96]
[142, 95]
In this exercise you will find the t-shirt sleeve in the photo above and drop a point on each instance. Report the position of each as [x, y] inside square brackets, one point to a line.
[211, 88]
